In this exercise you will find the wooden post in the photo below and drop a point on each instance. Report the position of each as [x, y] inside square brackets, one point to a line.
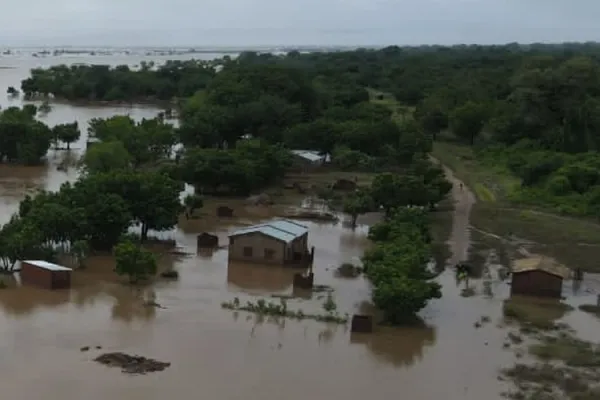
[304, 281]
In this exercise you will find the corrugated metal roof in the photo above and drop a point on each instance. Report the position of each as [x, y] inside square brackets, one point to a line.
[283, 230]
[46, 265]
[309, 155]
[541, 263]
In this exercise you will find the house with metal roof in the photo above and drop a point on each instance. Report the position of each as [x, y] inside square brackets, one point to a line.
[309, 159]
[281, 242]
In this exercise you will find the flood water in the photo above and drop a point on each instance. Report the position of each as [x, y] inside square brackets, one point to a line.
[219, 354]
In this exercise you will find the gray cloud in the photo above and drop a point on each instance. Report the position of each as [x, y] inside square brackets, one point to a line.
[287, 22]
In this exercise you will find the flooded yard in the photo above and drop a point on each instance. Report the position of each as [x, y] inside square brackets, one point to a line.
[221, 354]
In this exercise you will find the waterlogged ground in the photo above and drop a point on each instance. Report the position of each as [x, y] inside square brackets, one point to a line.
[219, 354]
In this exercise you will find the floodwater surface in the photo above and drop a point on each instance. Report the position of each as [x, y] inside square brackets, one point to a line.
[220, 354]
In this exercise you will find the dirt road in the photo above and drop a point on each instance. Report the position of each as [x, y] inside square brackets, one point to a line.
[463, 201]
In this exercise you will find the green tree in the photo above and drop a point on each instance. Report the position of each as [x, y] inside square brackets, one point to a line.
[105, 157]
[151, 198]
[192, 202]
[467, 121]
[67, 133]
[23, 139]
[135, 262]
[107, 218]
[357, 204]
[20, 240]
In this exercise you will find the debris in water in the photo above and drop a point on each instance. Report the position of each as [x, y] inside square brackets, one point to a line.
[131, 364]
[84, 348]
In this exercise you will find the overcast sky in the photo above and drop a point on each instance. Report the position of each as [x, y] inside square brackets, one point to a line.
[295, 22]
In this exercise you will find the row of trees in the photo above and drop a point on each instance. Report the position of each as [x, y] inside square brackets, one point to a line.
[25, 140]
[98, 209]
[122, 83]
[397, 264]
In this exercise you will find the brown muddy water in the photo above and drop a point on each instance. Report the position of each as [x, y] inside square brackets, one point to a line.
[219, 354]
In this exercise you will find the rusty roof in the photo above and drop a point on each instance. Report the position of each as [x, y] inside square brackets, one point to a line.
[541, 263]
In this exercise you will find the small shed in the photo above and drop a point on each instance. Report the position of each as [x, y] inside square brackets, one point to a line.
[45, 274]
[207, 241]
[344, 185]
[308, 160]
[538, 276]
[224, 211]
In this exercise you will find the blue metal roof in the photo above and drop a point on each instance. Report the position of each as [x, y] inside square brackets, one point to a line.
[283, 230]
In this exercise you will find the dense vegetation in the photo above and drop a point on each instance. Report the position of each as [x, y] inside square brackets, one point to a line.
[103, 83]
[397, 265]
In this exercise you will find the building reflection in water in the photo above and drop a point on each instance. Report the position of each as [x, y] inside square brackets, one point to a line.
[259, 278]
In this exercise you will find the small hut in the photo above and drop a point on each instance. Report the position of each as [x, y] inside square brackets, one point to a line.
[224, 211]
[344, 185]
[207, 241]
[539, 276]
[45, 274]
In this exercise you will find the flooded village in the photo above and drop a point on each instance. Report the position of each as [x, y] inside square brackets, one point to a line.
[281, 250]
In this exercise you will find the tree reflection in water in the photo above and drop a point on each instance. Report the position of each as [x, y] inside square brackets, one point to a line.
[134, 304]
[400, 347]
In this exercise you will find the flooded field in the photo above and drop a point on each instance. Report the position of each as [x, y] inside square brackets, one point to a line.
[220, 354]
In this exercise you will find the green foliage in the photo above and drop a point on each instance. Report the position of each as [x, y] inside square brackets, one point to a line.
[358, 203]
[146, 142]
[468, 120]
[397, 265]
[19, 240]
[151, 198]
[423, 185]
[135, 262]
[192, 202]
[565, 183]
[252, 165]
[66, 133]
[121, 83]
[23, 139]
[105, 157]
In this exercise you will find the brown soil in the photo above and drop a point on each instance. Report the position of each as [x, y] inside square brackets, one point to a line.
[131, 364]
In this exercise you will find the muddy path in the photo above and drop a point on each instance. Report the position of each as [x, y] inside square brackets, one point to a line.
[463, 199]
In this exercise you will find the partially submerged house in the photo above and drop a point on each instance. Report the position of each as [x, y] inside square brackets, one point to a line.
[207, 241]
[539, 276]
[281, 242]
[45, 274]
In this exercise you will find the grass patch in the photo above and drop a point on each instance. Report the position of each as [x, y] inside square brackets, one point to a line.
[567, 349]
[483, 193]
[549, 382]
[441, 229]
[572, 242]
[535, 315]
[490, 181]
[266, 308]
